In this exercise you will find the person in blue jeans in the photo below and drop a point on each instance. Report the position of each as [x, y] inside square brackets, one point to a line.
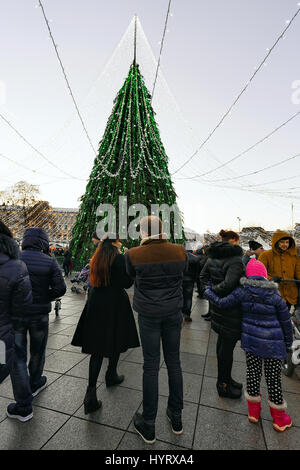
[47, 285]
[157, 268]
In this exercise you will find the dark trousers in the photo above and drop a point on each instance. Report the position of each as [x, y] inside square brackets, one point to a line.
[225, 347]
[95, 366]
[152, 330]
[38, 334]
[187, 289]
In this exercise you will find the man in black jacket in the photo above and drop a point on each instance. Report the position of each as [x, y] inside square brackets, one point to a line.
[47, 285]
[157, 267]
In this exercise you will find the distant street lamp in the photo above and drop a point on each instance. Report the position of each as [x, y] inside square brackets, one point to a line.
[239, 219]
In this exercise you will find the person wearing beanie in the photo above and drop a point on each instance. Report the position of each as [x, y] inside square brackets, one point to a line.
[15, 296]
[266, 338]
[282, 262]
[255, 250]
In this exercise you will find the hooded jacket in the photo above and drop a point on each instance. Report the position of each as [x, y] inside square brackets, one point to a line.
[45, 274]
[266, 324]
[223, 271]
[283, 264]
[15, 296]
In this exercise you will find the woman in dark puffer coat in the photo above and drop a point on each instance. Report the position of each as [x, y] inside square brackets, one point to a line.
[266, 336]
[15, 295]
[223, 271]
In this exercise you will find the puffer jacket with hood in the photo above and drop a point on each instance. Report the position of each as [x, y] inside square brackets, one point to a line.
[223, 271]
[15, 297]
[283, 264]
[266, 325]
[45, 274]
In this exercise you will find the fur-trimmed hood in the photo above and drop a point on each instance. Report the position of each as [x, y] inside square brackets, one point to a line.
[258, 282]
[222, 250]
[8, 247]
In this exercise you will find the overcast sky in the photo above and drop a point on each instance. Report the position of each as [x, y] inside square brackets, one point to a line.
[210, 52]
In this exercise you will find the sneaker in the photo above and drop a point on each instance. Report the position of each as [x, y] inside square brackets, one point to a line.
[175, 421]
[36, 390]
[22, 414]
[146, 431]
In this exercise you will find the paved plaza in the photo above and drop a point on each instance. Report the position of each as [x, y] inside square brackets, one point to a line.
[209, 422]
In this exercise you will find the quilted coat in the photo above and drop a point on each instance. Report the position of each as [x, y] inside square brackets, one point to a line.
[283, 264]
[266, 323]
[223, 270]
[45, 274]
[15, 296]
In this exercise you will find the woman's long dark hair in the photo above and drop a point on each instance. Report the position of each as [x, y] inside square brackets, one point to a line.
[101, 262]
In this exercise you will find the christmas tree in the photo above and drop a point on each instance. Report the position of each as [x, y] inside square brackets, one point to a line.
[131, 162]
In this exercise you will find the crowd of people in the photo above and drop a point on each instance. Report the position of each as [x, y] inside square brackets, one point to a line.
[249, 300]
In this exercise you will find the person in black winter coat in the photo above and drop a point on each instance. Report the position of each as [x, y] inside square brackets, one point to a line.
[201, 253]
[106, 327]
[222, 272]
[67, 262]
[47, 285]
[190, 276]
[15, 296]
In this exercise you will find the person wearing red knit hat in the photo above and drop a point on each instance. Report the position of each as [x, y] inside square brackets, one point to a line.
[266, 338]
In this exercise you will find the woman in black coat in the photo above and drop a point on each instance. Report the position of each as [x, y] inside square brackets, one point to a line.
[106, 327]
[223, 271]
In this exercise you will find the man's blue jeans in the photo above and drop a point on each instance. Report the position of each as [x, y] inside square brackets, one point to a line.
[38, 333]
[152, 330]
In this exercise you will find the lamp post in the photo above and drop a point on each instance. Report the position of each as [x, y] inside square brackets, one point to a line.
[239, 219]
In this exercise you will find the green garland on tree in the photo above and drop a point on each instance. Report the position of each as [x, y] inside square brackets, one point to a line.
[131, 162]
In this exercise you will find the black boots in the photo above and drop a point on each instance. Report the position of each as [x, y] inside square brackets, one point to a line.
[235, 384]
[228, 391]
[112, 378]
[90, 401]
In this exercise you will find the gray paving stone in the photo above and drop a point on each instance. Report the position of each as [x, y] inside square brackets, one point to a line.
[290, 384]
[6, 387]
[133, 375]
[118, 406]
[195, 335]
[74, 349]
[287, 440]
[56, 327]
[293, 407]
[192, 363]
[200, 325]
[82, 369]
[210, 397]
[33, 434]
[4, 402]
[62, 361]
[65, 395]
[58, 341]
[220, 430]
[70, 330]
[193, 347]
[163, 428]
[80, 434]
[191, 385]
[136, 355]
[132, 441]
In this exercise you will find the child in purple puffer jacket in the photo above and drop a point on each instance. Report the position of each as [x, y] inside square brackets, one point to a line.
[266, 336]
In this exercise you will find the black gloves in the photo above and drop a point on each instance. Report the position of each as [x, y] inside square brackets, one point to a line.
[276, 279]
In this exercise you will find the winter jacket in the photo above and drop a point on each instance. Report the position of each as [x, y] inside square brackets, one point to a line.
[157, 266]
[15, 297]
[192, 270]
[283, 264]
[266, 324]
[223, 271]
[45, 274]
[107, 324]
